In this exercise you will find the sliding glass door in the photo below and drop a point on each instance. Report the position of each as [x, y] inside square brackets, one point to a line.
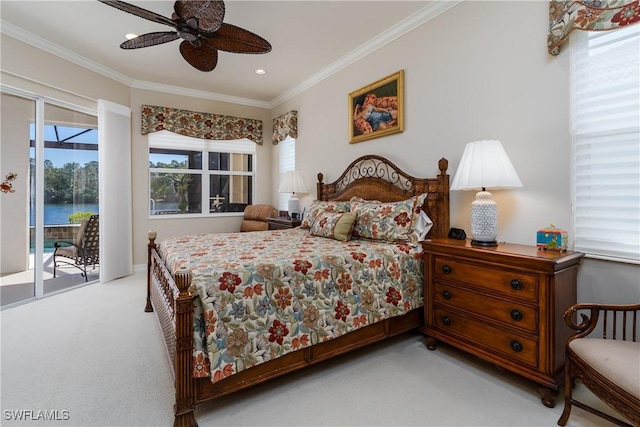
[55, 147]
[70, 172]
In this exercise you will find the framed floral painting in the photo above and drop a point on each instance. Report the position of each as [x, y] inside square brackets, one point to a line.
[377, 109]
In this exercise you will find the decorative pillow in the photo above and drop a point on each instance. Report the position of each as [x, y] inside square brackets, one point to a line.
[318, 206]
[420, 221]
[423, 225]
[335, 225]
[402, 221]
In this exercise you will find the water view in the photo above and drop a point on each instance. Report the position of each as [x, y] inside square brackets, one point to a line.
[59, 214]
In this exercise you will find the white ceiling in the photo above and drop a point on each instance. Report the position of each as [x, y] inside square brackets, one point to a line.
[310, 40]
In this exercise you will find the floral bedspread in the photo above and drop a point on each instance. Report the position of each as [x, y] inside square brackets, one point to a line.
[264, 294]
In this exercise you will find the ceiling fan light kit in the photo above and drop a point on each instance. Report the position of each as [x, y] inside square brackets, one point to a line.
[199, 24]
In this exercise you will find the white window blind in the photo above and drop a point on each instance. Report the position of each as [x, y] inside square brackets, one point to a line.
[606, 143]
[287, 161]
[116, 222]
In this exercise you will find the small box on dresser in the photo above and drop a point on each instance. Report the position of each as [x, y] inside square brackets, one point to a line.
[504, 304]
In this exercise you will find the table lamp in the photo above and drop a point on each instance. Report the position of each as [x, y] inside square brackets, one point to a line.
[293, 183]
[484, 165]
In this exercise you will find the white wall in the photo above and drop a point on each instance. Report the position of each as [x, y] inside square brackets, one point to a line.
[14, 158]
[479, 71]
[39, 72]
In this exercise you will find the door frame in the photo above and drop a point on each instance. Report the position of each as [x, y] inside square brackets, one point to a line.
[40, 104]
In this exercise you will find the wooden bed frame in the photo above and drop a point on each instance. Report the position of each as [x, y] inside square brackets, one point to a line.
[370, 177]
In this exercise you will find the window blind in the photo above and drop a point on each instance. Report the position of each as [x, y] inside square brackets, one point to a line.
[287, 160]
[116, 222]
[605, 74]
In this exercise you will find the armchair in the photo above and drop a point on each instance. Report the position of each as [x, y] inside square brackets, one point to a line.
[609, 366]
[255, 217]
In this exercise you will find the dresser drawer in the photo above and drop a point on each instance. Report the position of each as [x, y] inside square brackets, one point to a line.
[511, 345]
[508, 312]
[505, 281]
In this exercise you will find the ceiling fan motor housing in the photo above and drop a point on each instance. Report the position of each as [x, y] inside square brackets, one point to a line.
[188, 29]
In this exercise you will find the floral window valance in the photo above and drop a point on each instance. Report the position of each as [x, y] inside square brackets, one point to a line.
[285, 125]
[566, 16]
[200, 125]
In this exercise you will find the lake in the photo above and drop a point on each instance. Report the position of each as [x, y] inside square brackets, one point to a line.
[59, 214]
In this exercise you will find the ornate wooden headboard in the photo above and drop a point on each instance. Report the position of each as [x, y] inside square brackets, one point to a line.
[373, 177]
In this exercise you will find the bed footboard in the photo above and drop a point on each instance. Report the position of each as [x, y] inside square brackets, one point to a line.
[173, 305]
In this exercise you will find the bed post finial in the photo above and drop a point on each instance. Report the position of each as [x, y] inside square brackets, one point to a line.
[151, 235]
[443, 165]
[319, 186]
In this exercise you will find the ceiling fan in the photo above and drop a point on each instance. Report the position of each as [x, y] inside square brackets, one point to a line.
[199, 24]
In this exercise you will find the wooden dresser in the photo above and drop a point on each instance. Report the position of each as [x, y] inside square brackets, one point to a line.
[504, 304]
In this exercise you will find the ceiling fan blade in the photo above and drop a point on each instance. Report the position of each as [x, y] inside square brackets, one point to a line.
[138, 11]
[237, 40]
[150, 39]
[202, 58]
[209, 13]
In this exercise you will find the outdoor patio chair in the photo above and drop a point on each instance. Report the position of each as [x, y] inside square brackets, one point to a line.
[83, 251]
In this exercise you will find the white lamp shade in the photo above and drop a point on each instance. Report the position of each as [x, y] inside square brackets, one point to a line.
[485, 164]
[292, 182]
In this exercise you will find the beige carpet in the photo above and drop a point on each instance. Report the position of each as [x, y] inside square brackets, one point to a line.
[93, 357]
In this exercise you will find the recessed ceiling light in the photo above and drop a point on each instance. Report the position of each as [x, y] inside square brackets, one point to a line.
[130, 36]
[260, 71]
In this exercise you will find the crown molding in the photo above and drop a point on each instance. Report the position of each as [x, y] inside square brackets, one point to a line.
[408, 24]
[422, 16]
[195, 93]
[64, 53]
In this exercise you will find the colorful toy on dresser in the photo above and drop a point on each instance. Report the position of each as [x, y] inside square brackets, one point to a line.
[552, 238]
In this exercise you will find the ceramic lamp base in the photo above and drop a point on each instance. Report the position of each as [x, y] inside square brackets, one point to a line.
[294, 205]
[484, 220]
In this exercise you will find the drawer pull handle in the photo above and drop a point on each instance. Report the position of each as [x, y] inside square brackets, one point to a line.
[446, 294]
[446, 269]
[446, 320]
[516, 346]
[515, 284]
[516, 315]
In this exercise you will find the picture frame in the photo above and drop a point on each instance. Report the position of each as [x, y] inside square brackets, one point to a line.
[377, 109]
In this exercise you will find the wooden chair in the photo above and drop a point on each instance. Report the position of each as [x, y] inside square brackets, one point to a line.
[83, 251]
[609, 366]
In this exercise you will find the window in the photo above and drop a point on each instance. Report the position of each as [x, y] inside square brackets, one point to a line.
[199, 177]
[287, 155]
[606, 143]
